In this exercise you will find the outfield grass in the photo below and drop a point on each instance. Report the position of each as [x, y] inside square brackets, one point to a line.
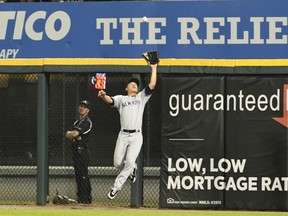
[124, 211]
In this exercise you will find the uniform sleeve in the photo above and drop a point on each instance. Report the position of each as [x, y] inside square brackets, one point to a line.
[85, 127]
[74, 127]
[116, 101]
[148, 91]
[146, 94]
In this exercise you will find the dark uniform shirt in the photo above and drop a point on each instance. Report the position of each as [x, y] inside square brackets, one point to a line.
[83, 126]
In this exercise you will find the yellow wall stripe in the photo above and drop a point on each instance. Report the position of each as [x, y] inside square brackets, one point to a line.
[141, 62]
[94, 61]
[21, 62]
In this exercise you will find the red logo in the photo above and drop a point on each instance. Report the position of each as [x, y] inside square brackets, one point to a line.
[284, 120]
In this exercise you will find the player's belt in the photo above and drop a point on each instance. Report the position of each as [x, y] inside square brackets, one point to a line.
[131, 131]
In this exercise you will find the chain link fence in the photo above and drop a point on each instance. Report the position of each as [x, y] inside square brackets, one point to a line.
[18, 152]
[18, 138]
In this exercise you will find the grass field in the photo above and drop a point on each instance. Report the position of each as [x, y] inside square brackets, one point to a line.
[88, 211]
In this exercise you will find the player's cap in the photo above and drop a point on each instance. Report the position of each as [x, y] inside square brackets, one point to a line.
[133, 80]
[85, 102]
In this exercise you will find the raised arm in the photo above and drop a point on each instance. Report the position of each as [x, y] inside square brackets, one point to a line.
[153, 78]
[107, 99]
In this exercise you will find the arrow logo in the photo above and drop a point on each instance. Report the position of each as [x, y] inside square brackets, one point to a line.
[284, 120]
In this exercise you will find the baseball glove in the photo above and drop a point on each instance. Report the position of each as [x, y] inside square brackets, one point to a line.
[152, 57]
[63, 200]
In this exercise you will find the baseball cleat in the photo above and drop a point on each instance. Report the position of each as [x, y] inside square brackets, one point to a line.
[112, 194]
[132, 176]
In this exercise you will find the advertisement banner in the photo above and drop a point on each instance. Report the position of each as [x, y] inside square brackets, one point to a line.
[256, 134]
[189, 141]
[224, 142]
[178, 29]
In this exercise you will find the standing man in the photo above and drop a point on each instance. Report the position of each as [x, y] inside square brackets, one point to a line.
[79, 135]
[129, 142]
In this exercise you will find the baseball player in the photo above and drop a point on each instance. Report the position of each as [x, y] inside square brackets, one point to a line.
[129, 141]
[79, 135]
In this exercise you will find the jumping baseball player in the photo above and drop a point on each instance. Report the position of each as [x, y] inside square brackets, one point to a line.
[131, 109]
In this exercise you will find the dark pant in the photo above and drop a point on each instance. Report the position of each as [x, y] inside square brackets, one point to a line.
[80, 162]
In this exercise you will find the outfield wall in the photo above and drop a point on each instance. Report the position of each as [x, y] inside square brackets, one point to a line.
[223, 94]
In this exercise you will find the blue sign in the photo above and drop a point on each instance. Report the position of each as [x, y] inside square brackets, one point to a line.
[183, 30]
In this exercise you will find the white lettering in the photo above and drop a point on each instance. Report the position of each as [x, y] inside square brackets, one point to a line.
[106, 29]
[19, 25]
[5, 17]
[50, 30]
[276, 184]
[170, 168]
[210, 182]
[186, 30]
[132, 30]
[182, 165]
[234, 32]
[28, 25]
[8, 53]
[215, 28]
[135, 31]
[174, 104]
[211, 30]
[256, 21]
[224, 165]
[274, 30]
[153, 31]
[229, 102]
[176, 184]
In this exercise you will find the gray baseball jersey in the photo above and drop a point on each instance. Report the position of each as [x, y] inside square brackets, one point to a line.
[131, 109]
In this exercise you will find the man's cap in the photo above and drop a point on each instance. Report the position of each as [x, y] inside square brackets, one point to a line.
[133, 80]
[85, 102]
